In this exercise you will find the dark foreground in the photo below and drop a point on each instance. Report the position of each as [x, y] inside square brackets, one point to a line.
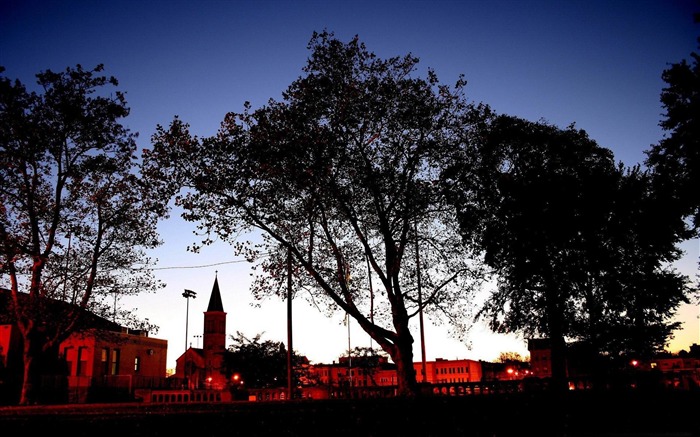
[669, 414]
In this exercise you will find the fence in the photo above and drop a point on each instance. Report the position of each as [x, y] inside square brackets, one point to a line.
[125, 388]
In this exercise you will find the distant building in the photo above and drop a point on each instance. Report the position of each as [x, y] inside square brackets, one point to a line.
[678, 372]
[446, 371]
[358, 372]
[100, 360]
[383, 373]
[540, 357]
[508, 371]
[111, 364]
[579, 356]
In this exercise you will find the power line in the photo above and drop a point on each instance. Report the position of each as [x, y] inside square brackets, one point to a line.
[200, 266]
[207, 265]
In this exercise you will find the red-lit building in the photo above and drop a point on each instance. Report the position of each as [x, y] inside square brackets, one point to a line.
[383, 374]
[359, 372]
[445, 371]
[100, 360]
[112, 362]
[678, 372]
[540, 357]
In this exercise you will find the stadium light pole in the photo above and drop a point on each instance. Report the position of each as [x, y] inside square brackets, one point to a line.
[420, 307]
[187, 295]
[290, 348]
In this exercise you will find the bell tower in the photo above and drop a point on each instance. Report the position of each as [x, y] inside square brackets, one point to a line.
[214, 339]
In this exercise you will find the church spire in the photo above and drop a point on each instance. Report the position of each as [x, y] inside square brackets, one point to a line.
[214, 338]
[215, 299]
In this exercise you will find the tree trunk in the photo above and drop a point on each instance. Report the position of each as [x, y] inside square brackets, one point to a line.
[559, 374]
[558, 344]
[555, 328]
[407, 385]
[27, 393]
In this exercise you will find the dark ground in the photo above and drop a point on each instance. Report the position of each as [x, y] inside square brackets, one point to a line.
[668, 414]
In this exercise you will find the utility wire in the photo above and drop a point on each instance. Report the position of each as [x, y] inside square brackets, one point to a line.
[206, 265]
[200, 266]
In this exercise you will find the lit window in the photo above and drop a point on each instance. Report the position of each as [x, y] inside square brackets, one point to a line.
[104, 361]
[114, 363]
[82, 361]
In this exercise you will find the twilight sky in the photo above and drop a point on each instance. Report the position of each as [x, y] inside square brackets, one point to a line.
[594, 63]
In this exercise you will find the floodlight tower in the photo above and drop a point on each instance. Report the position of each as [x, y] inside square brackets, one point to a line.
[187, 295]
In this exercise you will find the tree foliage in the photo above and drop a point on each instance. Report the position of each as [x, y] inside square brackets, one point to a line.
[573, 239]
[632, 290]
[73, 219]
[260, 364]
[676, 158]
[341, 176]
[511, 357]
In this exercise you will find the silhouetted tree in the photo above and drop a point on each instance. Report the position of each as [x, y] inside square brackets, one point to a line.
[73, 220]
[676, 159]
[366, 360]
[260, 364]
[340, 174]
[511, 357]
[572, 239]
[631, 291]
[366, 357]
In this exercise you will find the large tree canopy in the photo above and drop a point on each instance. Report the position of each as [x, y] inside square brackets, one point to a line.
[573, 239]
[73, 220]
[631, 291]
[341, 176]
[676, 159]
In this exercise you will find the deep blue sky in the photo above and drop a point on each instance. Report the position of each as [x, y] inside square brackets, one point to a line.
[594, 63]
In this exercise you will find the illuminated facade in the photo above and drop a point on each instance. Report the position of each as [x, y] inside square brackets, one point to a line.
[679, 372]
[442, 371]
[110, 362]
[101, 360]
[540, 357]
[383, 373]
[357, 373]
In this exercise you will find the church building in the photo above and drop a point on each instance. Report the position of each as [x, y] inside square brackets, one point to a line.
[204, 368]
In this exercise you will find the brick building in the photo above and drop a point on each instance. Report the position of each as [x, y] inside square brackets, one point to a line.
[101, 359]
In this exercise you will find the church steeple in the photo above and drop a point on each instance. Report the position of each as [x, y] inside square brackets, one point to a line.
[214, 337]
[215, 299]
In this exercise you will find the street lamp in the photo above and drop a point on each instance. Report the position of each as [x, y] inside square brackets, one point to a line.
[187, 295]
